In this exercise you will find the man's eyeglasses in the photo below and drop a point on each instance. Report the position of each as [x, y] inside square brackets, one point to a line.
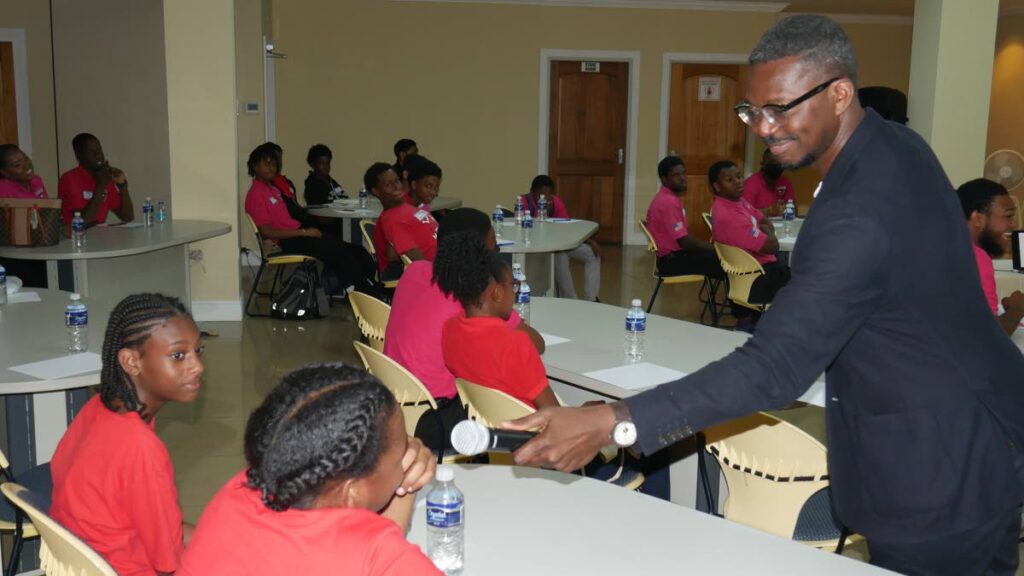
[775, 114]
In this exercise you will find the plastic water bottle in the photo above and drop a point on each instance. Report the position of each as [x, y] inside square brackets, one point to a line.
[636, 327]
[527, 225]
[161, 212]
[3, 285]
[522, 305]
[446, 520]
[498, 218]
[147, 211]
[76, 318]
[363, 197]
[542, 208]
[788, 215]
[78, 231]
[517, 278]
[519, 210]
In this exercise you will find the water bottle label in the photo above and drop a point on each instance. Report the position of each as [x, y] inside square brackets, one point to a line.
[527, 223]
[76, 317]
[636, 324]
[499, 216]
[523, 297]
[444, 515]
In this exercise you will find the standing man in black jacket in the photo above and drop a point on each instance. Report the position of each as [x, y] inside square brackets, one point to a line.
[925, 394]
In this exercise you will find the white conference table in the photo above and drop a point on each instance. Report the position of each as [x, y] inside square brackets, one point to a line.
[546, 238]
[786, 243]
[347, 209]
[533, 521]
[124, 259]
[39, 409]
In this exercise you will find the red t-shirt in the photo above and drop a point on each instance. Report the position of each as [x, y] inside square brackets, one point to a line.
[113, 486]
[405, 227]
[75, 189]
[264, 204]
[988, 278]
[12, 189]
[666, 221]
[413, 337]
[285, 186]
[556, 208]
[760, 195]
[735, 224]
[239, 535]
[485, 351]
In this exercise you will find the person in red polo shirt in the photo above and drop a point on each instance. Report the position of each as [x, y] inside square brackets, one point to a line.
[95, 187]
[736, 223]
[768, 190]
[678, 252]
[403, 228]
[18, 178]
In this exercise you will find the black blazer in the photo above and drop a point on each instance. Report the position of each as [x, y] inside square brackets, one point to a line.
[925, 393]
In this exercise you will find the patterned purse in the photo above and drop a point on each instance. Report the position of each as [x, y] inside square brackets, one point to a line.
[30, 221]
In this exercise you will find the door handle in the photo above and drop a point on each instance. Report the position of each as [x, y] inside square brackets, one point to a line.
[622, 155]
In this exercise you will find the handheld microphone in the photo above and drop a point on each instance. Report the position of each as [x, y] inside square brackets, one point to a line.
[470, 438]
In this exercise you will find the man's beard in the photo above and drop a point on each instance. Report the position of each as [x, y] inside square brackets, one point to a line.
[990, 243]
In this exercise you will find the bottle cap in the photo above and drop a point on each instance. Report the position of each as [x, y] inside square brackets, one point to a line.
[75, 296]
[78, 214]
[635, 302]
[444, 474]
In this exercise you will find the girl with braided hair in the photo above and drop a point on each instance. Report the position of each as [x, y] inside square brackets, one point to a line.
[113, 481]
[328, 489]
[478, 344]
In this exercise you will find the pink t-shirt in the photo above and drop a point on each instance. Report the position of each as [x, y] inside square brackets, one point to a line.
[405, 227]
[75, 189]
[988, 278]
[12, 189]
[666, 221]
[265, 205]
[413, 336]
[760, 195]
[556, 208]
[735, 224]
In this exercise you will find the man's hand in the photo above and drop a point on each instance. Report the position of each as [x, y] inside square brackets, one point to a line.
[118, 176]
[312, 232]
[1014, 303]
[569, 437]
[419, 465]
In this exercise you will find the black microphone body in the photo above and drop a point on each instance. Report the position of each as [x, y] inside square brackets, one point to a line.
[470, 438]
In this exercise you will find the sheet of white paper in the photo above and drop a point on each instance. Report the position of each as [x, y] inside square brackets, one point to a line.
[636, 376]
[62, 366]
[130, 225]
[562, 220]
[551, 339]
[23, 297]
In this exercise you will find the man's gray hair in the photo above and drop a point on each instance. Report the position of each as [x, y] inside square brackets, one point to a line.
[817, 40]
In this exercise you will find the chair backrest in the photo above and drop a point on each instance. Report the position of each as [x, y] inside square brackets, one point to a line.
[259, 237]
[771, 467]
[652, 245]
[366, 226]
[742, 269]
[61, 552]
[707, 219]
[371, 316]
[409, 392]
[488, 406]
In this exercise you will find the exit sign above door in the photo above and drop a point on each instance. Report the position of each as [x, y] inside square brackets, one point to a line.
[592, 67]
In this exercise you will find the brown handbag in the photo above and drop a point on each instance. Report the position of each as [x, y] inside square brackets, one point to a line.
[30, 221]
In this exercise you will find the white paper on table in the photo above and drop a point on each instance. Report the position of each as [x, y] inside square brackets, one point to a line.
[505, 243]
[129, 225]
[562, 220]
[23, 297]
[636, 376]
[62, 366]
[551, 339]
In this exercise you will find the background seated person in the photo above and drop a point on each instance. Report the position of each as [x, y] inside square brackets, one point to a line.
[990, 217]
[265, 204]
[94, 187]
[320, 187]
[737, 223]
[18, 178]
[402, 229]
[479, 345]
[419, 311]
[404, 148]
[679, 253]
[768, 190]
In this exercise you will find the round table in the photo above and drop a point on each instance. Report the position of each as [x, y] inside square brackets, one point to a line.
[546, 238]
[787, 242]
[532, 521]
[347, 209]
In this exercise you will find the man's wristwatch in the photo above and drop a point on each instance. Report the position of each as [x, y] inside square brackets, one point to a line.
[623, 433]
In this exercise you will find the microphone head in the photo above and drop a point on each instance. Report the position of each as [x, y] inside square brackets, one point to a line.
[470, 438]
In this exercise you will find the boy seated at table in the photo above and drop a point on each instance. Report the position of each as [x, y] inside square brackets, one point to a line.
[737, 223]
[320, 187]
[403, 229]
[419, 311]
[95, 187]
[679, 252]
[767, 189]
[329, 485]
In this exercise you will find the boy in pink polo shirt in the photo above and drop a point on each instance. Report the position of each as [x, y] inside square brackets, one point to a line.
[990, 216]
[95, 187]
[403, 229]
[736, 223]
[768, 190]
[678, 252]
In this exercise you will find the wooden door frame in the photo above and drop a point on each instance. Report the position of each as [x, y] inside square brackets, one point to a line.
[670, 58]
[16, 36]
[547, 56]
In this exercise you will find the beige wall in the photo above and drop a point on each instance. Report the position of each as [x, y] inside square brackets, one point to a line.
[200, 52]
[249, 19]
[114, 85]
[1006, 122]
[34, 17]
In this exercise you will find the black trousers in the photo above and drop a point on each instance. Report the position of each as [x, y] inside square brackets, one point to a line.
[678, 263]
[990, 549]
[776, 275]
[350, 263]
[435, 427]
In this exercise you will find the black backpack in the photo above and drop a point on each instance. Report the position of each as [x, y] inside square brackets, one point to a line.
[303, 295]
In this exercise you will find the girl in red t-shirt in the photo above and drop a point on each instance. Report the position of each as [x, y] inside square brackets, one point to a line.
[329, 487]
[113, 481]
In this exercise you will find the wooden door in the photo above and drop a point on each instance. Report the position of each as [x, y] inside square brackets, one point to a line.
[703, 129]
[8, 105]
[587, 141]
